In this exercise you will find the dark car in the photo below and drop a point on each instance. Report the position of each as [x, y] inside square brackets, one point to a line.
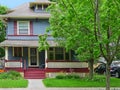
[100, 69]
[114, 69]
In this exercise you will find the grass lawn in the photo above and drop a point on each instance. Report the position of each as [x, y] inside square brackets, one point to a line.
[98, 81]
[7, 83]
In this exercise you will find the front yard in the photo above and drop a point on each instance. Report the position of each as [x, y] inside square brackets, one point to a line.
[98, 81]
[12, 79]
[21, 83]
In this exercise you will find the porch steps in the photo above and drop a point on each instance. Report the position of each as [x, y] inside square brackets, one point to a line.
[34, 73]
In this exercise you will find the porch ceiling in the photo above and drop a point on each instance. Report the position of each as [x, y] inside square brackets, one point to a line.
[24, 43]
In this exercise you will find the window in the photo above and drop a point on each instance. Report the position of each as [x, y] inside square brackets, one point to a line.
[23, 28]
[58, 53]
[17, 51]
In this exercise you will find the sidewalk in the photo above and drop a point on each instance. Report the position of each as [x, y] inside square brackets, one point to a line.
[36, 84]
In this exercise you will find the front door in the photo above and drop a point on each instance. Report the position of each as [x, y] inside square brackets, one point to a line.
[33, 57]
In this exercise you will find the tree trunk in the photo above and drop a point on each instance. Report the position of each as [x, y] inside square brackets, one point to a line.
[91, 61]
[107, 76]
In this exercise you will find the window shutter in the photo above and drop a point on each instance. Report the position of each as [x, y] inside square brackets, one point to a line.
[31, 28]
[15, 27]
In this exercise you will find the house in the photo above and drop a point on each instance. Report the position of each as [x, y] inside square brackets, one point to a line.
[24, 24]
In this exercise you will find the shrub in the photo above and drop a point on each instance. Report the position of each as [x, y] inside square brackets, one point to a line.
[72, 76]
[69, 76]
[10, 75]
[60, 77]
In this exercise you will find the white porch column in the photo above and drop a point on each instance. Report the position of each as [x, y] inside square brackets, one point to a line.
[46, 57]
[6, 53]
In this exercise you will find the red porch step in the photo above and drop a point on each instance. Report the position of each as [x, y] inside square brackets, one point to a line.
[34, 73]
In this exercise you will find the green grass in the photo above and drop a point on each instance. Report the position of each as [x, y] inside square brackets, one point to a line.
[98, 81]
[21, 83]
[12, 79]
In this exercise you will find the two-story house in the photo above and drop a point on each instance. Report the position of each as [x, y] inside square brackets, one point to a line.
[24, 24]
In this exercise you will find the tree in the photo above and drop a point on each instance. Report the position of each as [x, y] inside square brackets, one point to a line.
[68, 27]
[90, 27]
[3, 10]
[108, 32]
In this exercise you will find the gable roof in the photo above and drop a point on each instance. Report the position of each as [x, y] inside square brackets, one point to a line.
[24, 11]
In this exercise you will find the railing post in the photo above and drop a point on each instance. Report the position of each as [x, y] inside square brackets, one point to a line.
[24, 64]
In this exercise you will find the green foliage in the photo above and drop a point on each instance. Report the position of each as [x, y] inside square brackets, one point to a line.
[71, 24]
[97, 81]
[43, 45]
[69, 76]
[72, 76]
[13, 75]
[8, 83]
[2, 52]
[60, 77]
[3, 9]
[91, 29]
[2, 31]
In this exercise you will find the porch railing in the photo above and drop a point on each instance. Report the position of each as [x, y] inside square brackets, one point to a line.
[13, 64]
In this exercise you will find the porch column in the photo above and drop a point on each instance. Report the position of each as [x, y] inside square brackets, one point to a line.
[46, 57]
[6, 53]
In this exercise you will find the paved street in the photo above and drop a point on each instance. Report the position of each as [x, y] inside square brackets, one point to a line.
[36, 84]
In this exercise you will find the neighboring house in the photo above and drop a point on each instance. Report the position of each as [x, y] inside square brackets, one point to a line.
[24, 24]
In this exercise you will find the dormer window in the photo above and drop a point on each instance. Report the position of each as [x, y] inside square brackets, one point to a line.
[40, 8]
[39, 5]
[23, 28]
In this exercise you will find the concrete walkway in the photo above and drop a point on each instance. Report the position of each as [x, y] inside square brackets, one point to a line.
[36, 84]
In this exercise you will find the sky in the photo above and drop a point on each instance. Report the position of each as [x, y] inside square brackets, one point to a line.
[13, 3]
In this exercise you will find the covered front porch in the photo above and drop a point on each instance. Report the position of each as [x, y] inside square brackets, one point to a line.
[23, 56]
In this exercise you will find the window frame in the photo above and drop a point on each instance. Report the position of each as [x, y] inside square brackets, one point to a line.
[14, 51]
[54, 54]
[18, 30]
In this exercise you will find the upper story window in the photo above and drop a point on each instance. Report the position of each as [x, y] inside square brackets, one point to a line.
[23, 28]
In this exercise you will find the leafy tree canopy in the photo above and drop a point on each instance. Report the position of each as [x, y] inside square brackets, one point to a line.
[3, 10]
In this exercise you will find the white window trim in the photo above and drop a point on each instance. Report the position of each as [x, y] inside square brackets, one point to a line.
[29, 59]
[28, 27]
[14, 52]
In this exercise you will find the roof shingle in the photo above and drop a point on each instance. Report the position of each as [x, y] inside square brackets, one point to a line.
[24, 11]
[24, 43]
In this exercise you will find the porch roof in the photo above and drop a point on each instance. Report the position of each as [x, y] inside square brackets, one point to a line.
[24, 43]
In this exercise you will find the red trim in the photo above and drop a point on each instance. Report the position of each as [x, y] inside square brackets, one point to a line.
[31, 28]
[15, 27]
[80, 70]
[26, 35]
[22, 35]
[16, 69]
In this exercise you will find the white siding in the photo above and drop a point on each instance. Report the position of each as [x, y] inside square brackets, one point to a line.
[67, 64]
